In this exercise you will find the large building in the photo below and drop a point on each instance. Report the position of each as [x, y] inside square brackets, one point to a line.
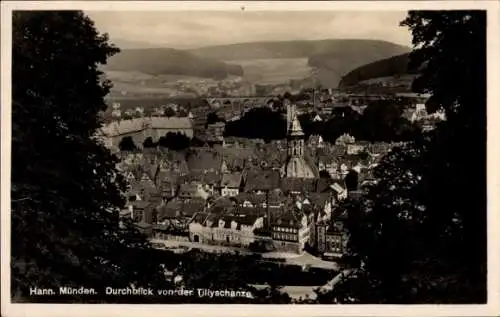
[142, 128]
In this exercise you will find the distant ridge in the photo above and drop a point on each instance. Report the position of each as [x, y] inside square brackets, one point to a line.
[394, 66]
[293, 49]
[158, 61]
[331, 58]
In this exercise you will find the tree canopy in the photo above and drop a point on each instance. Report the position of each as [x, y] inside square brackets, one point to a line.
[271, 125]
[421, 230]
[174, 141]
[66, 193]
[127, 144]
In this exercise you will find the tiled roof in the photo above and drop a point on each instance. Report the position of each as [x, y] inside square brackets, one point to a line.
[176, 123]
[256, 211]
[302, 185]
[318, 199]
[167, 176]
[204, 160]
[223, 202]
[262, 180]
[192, 206]
[192, 176]
[250, 197]
[232, 180]
[323, 184]
[123, 127]
[190, 189]
[171, 210]
[212, 178]
[248, 220]
[200, 217]
[287, 219]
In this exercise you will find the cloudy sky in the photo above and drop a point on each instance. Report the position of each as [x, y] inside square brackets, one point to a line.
[189, 29]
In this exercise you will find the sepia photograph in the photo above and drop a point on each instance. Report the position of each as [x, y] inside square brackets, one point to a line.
[246, 153]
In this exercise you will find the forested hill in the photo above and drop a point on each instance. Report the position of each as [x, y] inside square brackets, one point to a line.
[157, 61]
[394, 66]
[300, 49]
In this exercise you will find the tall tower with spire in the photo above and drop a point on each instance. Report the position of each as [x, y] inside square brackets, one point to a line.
[295, 166]
[295, 138]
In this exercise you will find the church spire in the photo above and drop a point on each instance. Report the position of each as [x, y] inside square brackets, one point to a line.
[295, 129]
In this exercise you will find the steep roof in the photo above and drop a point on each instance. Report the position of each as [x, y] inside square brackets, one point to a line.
[121, 127]
[261, 180]
[290, 219]
[302, 185]
[192, 206]
[231, 180]
[203, 159]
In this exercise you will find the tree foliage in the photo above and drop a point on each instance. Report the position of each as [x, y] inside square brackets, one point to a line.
[65, 191]
[169, 112]
[382, 121]
[174, 141]
[212, 118]
[421, 230]
[271, 125]
[148, 143]
[127, 144]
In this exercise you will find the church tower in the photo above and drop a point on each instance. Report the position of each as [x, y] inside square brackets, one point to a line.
[296, 166]
[295, 138]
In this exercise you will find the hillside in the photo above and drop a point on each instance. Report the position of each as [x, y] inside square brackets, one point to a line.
[330, 58]
[295, 49]
[159, 61]
[395, 66]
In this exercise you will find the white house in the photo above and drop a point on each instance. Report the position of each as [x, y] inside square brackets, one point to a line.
[225, 230]
[231, 183]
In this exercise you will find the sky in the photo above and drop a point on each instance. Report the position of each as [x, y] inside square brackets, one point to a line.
[191, 29]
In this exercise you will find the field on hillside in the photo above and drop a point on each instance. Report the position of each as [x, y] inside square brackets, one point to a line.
[138, 84]
[274, 71]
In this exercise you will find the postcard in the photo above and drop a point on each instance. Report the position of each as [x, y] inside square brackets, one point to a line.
[250, 158]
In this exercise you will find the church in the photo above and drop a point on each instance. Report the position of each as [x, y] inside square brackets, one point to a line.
[296, 165]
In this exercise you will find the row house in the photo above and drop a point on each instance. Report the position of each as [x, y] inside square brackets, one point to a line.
[174, 217]
[275, 199]
[231, 184]
[224, 230]
[290, 231]
[332, 236]
[192, 190]
[261, 181]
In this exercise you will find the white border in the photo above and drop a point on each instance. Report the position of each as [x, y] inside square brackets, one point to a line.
[491, 309]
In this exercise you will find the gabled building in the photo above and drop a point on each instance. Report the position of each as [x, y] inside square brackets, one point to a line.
[231, 184]
[289, 231]
[261, 181]
[192, 190]
[333, 237]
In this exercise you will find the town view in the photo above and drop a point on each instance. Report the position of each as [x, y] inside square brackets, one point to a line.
[249, 157]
